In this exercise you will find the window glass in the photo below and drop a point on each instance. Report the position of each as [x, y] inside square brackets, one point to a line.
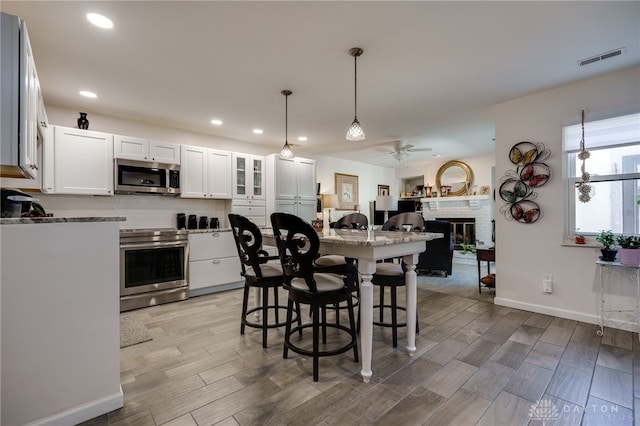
[614, 167]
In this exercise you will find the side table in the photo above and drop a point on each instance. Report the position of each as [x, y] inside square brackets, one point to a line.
[605, 274]
[488, 255]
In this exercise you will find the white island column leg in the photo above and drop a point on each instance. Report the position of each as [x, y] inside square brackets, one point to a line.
[366, 269]
[411, 282]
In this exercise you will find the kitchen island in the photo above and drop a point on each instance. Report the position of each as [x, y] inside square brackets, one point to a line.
[59, 319]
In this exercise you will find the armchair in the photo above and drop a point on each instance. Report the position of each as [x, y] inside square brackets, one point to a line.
[438, 255]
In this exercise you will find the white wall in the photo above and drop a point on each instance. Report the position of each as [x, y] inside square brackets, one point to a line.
[118, 126]
[524, 252]
[369, 177]
[160, 212]
[480, 166]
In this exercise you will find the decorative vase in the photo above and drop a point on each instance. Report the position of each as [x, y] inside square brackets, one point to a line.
[608, 255]
[630, 256]
[83, 123]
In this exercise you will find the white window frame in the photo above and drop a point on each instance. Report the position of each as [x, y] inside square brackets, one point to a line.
[594, 139]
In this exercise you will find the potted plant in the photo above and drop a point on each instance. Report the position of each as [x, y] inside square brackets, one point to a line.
[467, 248]
[607, 239]
[629, 249]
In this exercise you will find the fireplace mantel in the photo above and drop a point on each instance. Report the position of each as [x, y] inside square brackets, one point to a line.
[472, 201]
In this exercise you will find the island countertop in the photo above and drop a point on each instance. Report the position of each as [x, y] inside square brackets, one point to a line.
[32, 220]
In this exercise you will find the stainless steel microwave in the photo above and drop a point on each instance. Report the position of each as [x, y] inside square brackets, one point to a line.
[146, 177]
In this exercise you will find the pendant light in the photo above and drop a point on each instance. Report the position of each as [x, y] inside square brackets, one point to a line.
[286, 151]
[355, 132]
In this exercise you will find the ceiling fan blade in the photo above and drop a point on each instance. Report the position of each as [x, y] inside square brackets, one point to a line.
[420, 149]
[386, 150]
[406, 147]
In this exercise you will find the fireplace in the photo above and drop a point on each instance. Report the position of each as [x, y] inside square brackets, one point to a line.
[463, 230]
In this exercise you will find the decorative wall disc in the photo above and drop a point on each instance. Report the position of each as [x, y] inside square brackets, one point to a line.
[517, 187]
[525, 211]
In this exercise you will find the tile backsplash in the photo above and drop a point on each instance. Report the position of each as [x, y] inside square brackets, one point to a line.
[141, 211]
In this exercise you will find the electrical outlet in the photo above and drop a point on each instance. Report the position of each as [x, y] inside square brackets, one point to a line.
[547, 283]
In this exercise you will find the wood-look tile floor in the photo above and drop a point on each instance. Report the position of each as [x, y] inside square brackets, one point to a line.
[476, 364]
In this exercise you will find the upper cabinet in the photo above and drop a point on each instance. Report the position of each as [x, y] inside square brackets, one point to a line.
[82, 162]
[131, 148]
[293, 185]
[294, 179]
[20, 101]
[248, 177]
[205, 173]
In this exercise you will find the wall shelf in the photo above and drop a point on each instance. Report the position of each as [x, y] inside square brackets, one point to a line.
[472, 201]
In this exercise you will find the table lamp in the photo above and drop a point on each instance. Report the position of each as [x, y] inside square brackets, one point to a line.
[386, 203]
[329, 201]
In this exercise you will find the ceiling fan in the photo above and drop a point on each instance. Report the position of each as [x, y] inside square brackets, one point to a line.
[400, 151]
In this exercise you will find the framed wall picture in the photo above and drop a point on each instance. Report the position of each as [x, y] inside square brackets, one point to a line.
[347, 191]
[383, 189]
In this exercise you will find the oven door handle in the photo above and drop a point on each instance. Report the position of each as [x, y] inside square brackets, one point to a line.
[154, 245]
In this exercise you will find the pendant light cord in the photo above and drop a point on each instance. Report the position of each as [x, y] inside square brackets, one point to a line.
[355, 87]
[286, 119]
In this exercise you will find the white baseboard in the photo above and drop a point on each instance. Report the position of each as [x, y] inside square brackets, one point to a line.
[84, 412]
[215, 289]
[548, 310]
[564, 313]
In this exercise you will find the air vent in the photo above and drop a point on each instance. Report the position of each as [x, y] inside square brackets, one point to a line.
[602, 56]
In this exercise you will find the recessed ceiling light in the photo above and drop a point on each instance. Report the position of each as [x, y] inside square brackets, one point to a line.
[302, 138]
[100, 20]
[437, 155]
[258, 131]
[88, 94]
[216, 122]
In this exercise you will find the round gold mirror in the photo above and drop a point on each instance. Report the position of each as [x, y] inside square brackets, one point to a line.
[457, 175]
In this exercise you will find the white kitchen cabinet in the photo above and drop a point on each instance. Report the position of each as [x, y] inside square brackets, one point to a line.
[132, 148]
[48, 175]
[82, 162]
[303, 209]
[219, 174]
[248, 175]
[205, 173]
[29, 141]
[254, 210]
[19, 101]
[293, 185]
[213, 263]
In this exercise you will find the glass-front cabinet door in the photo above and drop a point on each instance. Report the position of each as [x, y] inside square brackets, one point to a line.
[248, 173]
[258, 177]
[240, 172]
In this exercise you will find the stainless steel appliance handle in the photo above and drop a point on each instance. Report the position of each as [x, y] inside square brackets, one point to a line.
[154, 245]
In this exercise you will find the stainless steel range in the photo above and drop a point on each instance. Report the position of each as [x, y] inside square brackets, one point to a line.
[153, 267]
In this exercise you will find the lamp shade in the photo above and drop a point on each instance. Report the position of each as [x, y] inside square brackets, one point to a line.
[286, 152]
[386, 202]
[330, 201]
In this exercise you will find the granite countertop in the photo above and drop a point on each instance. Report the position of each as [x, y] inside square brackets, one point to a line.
[32, 220]
[204, 231]
[368, 238]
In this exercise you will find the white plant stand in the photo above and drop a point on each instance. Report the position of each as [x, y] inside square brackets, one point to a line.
[605, 276]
